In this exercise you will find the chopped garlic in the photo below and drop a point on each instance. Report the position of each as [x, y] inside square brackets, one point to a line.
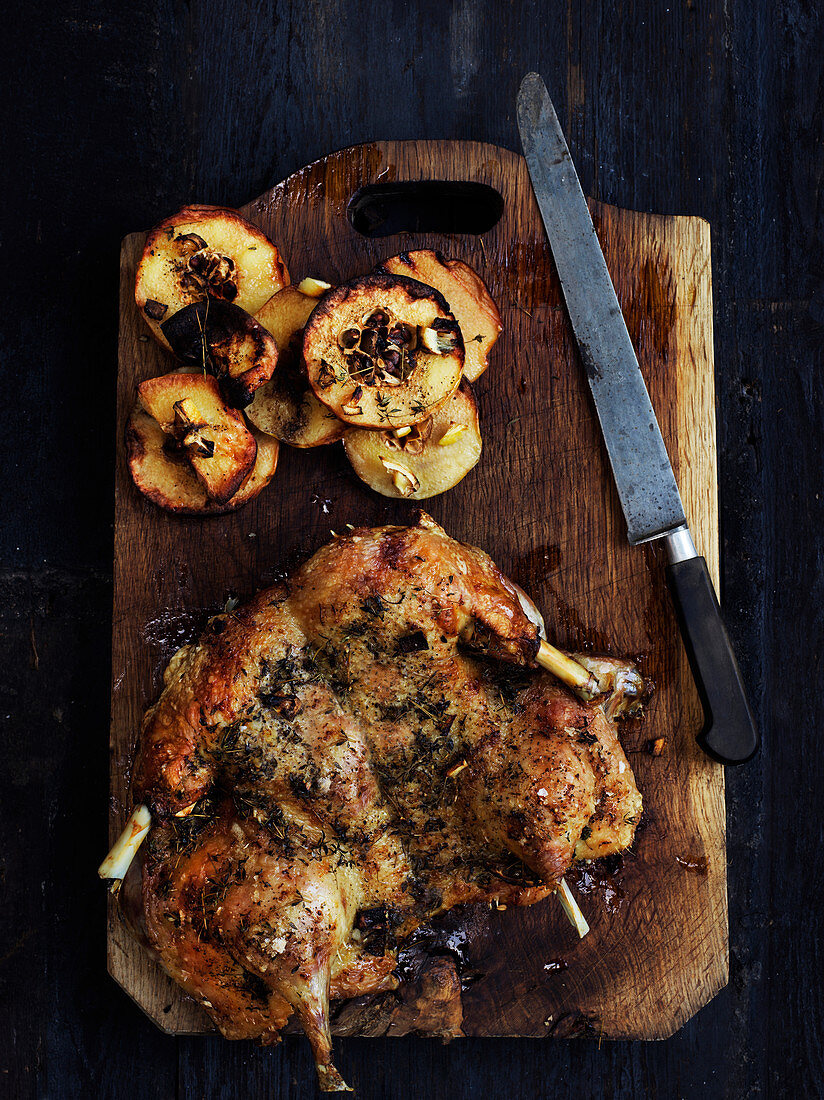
[188, 411]
[451, 434]
[429, 339]
[313, 287]
[405, 481]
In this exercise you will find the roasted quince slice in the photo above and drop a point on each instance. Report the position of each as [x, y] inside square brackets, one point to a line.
[468, 297]
[166, 478]
[227, 342]
[205, 252]
[286, 407]
[197, 428]
[285, 315]
[383, 351]
[424, 460]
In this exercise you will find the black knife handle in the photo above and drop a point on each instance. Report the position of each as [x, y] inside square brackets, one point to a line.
[729, 734]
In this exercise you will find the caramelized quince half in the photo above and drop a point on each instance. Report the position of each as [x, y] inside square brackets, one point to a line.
[422, 461]
[223, 339]
[187, 451]
[468, 297]
[383, 351]
[286, 407]
[205, 252]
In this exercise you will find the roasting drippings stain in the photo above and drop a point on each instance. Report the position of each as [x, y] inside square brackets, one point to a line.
[603, 880]
[335, 179]
[650, 309]
[532, 569]
[170, 630]
[573, 1025]
[529, 274]
[570, 625]
[698, 865]
[452, 934]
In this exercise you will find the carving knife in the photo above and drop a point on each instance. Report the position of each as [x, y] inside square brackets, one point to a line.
[640, 464]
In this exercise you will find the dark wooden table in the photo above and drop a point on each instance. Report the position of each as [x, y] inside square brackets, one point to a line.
[115, 114]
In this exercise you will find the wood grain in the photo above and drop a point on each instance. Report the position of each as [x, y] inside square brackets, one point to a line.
[542, 504]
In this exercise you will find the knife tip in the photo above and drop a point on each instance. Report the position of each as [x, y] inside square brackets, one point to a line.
[532, 98]
[529, 83]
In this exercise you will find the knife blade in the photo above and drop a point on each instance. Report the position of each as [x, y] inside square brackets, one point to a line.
[640, 464]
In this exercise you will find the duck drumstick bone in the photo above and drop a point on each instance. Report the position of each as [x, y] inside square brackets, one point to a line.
[563, 667]
[567, 670]
[124, 849]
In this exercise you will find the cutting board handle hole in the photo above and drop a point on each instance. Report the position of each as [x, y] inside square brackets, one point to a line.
[424, 206]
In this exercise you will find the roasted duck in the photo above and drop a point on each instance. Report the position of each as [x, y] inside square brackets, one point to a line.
[350, 754]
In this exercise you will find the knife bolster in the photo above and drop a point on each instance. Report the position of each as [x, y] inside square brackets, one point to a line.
[680, 546]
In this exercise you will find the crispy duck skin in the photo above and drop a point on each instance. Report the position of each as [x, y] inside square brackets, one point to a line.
[347, 756]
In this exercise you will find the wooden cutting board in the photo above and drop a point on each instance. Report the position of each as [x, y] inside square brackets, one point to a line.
[542, 503]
